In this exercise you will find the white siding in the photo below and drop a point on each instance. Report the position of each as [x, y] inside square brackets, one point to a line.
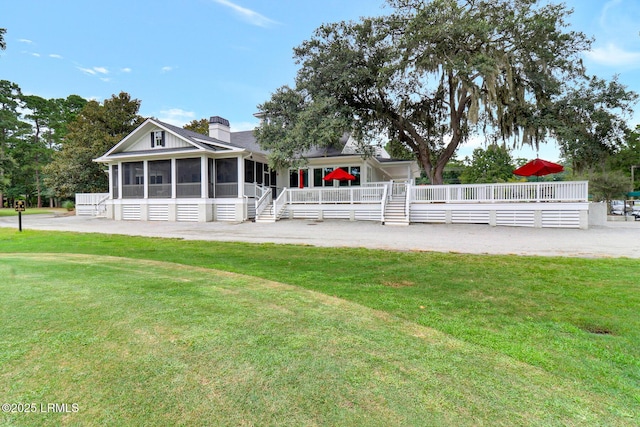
[144, 143]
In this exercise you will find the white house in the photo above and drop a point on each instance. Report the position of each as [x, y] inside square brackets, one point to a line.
[161, 172]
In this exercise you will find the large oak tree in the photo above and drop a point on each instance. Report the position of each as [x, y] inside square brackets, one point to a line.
[428, 76]
[96, 129]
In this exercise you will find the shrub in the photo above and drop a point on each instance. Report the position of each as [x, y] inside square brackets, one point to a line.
[68, 205]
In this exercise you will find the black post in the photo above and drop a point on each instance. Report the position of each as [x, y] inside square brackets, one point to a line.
[20, 221]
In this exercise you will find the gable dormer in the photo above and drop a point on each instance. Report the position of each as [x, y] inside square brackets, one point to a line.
[158, 139]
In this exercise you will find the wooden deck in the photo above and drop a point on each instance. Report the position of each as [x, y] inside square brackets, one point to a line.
[544, 204]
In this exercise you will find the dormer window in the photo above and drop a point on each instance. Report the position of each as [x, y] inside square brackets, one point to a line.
[157, 138]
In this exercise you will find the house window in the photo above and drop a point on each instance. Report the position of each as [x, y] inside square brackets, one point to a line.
[159, 179]
[353, 170]
[157, 138]
[188, 174]
[132, 180]
[267, 176]
[227, 177]
[318, 177]
[295, 176]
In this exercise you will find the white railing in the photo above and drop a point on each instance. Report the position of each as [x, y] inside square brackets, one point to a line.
[252, 189]
[565, 191]
[398, 188]
[407, 202]
[280, 203]
[336, 195]
[263, 202]
[383, 203]
[91, 203]
[90, 199]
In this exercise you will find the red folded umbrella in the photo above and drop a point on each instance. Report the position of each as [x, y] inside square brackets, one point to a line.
[538, 167]
[339, 174]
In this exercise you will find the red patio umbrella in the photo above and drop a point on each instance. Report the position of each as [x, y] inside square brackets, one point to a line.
[538, 167]
[339, 174]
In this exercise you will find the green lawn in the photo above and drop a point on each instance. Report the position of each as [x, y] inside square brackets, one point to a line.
[292, 335]
[32, 211]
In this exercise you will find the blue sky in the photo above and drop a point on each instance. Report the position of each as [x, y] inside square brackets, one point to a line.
[191, 59]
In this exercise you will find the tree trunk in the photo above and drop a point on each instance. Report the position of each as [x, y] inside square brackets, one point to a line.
[38, 189]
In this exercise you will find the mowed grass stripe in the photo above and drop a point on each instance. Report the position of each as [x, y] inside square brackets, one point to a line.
[145, 342]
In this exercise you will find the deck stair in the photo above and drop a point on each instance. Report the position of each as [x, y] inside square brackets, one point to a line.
[395, 212]
[266, 215]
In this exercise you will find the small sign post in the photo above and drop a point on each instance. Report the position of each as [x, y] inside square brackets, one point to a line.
[20, 207]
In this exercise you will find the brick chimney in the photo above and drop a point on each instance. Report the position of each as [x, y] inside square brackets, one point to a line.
[219, 129]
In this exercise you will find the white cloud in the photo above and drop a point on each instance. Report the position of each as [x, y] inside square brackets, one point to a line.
[94, 70]
[27, 41]
[176, 116]
[248, 15]
[609, 6]
[612, 55]
[87, 71]
[55, 55]
[126, 70]
[166, 69]
[37, 55]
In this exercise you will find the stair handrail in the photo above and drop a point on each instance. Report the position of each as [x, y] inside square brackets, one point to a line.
[407, 201]
[279, 204]
[383, 203]
[263, 202]
[101, 202]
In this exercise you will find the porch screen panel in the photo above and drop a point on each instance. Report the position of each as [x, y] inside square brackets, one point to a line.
[114, 181]
[132, 180]
[249, 171]
[188, 172]
[211, 179]
[159, 179]
[226, 178]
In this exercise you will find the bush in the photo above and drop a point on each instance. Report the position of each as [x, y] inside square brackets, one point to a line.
[68, 205]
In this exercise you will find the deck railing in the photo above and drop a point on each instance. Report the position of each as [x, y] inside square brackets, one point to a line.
[91, 203]
[90, 199]
[564, 191]
[263, 202]
[279, 204]
[336, 195]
